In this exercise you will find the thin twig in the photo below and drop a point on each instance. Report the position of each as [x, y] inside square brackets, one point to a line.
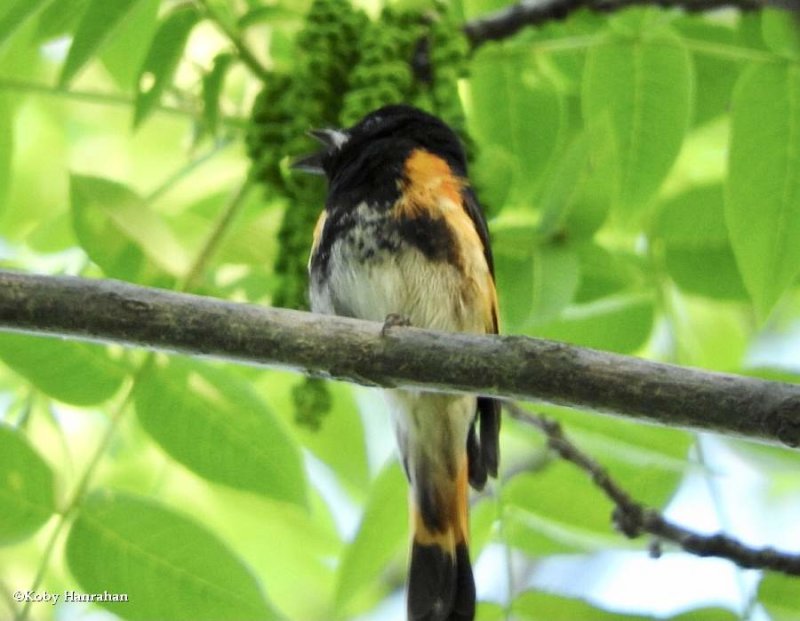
[77, 497]
[107, 99]
[508, 21]
[247, 56]
[186, 169]
[217, 233]
[633, 519]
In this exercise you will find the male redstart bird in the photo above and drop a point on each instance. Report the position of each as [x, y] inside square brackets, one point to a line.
[402, 235]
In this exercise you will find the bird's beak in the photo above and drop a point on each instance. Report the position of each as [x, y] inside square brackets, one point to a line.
[331, 139]
[311, 163]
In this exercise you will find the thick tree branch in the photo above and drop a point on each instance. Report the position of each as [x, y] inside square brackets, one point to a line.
[508, 21]
[510, 366]
[633, 519]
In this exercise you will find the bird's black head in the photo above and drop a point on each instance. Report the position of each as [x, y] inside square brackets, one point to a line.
[374, 150]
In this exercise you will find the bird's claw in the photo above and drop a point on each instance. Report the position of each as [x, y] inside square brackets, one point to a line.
[392, 321]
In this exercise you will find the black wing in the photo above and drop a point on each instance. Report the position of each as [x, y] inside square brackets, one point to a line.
[483, 455]
[475, 213]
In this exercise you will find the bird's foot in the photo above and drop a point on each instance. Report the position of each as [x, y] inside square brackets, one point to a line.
[394, 320]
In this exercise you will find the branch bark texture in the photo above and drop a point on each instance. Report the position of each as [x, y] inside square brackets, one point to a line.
[514, 367]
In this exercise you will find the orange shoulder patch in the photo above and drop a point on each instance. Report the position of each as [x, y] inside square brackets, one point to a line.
[429, 178]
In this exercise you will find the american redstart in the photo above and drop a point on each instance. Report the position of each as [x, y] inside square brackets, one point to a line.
[402, 234]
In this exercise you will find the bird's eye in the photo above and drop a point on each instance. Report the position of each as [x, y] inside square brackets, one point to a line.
[372, 122]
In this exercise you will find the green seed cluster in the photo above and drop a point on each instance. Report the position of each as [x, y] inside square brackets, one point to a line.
[312, 400]
[267, 131]
[412, 56]
[288, 106]
[283, 112]
[348, 65]
[384, 73]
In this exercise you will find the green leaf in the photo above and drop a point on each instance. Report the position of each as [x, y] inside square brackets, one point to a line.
[711, 335]
[715, 75]
[16, 13]
[223, 13]
[98, 24]
[124, 54]
[578, 192]
[535, 281]
[708, 614]
[342, 426]
[483, 515]
[619, 323]
[286, 545]
[71, 372]
[646, 475]
[648, 461]
[380, 536]
[212, 422]
[605, 273]
[116, 228]
[162, 59]
[169, 566]
[27, 490]
[762, 199]
[750, 31]
[60, 18]
[778, 594]
[488, 611]
[272, 15]
[252, 235]
[537, 536]
[32, 202]
[697, 251]
[780, 32]
[492, 177]
[776, 373]
[612, 308]
[637, 20]
[213, 82]
[778, 461]
[7, 115]
[539, 605]
[562, 187]
[532, 121]
[545, 497]
[663, 446]
[643, 84]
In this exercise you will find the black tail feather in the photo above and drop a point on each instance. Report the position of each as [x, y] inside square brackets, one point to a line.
[490, 433]
[483, 454]
[440, 586]
[477, 469]
[464, 604]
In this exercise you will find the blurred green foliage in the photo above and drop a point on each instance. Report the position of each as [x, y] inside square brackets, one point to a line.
[641, 173]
